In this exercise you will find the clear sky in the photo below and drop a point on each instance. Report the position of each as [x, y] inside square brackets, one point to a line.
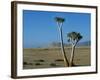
[40, 28]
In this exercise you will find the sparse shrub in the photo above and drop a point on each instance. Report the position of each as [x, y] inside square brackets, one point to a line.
[38, 64]
[25, 63]
[59, 60]
[53, 64]
[40, 60]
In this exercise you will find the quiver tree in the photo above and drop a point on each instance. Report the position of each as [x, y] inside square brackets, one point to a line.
[74, 38]
[60, 22]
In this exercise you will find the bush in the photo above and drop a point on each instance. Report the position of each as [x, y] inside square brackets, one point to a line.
[38, 64]
[25, 63]
[59, 60]
[40, 60]
[53, 64]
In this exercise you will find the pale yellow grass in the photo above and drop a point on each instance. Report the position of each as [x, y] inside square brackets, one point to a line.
[52, 57]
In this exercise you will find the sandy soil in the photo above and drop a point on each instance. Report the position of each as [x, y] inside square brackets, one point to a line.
[52, 57]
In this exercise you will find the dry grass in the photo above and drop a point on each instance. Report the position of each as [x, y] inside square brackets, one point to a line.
[52, 57]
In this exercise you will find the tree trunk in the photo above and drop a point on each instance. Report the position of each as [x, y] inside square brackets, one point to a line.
[72, 55]
[62, 48]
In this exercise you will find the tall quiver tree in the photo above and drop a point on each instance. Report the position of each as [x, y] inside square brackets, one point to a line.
[60, 21]
[74, 38]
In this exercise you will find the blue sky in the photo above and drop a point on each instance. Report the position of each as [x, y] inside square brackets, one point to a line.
[40, 28]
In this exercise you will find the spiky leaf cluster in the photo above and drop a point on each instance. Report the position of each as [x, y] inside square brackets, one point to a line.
[74, 37]
[59, 19]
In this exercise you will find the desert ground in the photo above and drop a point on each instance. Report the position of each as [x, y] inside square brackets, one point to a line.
[52, 57]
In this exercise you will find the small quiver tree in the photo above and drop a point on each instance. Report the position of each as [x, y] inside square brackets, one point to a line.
[73, 38]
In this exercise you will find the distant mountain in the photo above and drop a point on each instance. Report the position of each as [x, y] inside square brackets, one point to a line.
[57, 44]
[86, 43]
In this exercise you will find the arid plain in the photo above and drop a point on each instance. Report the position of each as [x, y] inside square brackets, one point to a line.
[52, 57]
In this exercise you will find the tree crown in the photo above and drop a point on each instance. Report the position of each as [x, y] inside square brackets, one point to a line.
[74, 37]
[59, 19]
